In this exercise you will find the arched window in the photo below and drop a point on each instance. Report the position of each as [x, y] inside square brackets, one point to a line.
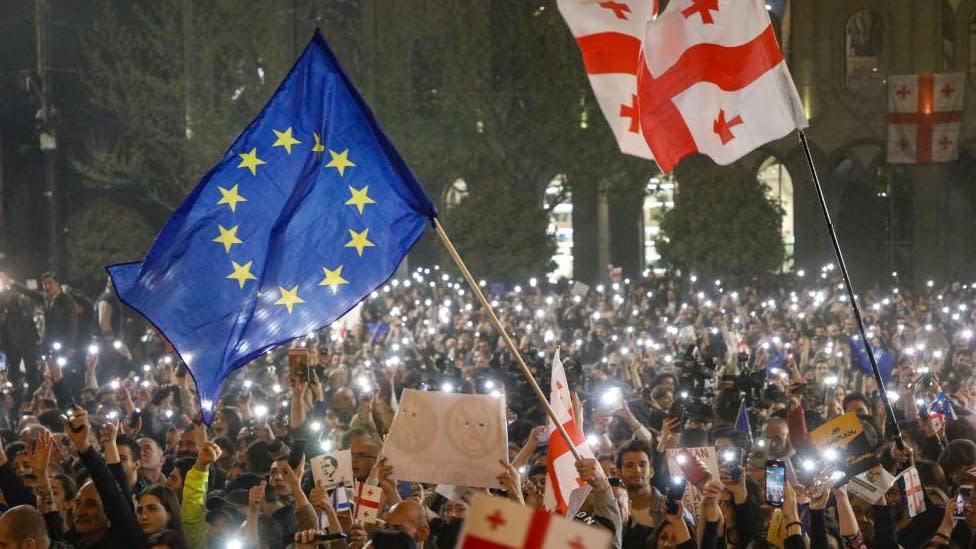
[658, 200]
[864, 51]
[558, 201]
[454, 193]
[779, 189]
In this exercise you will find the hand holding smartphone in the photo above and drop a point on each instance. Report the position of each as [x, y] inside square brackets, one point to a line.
[775, 482]
[963, 496]
[676, 491]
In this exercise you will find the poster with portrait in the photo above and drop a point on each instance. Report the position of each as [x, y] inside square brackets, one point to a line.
[448, 438]
[332, 469]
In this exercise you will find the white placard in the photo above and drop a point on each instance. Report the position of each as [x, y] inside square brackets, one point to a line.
[447, 438]
[333, 469]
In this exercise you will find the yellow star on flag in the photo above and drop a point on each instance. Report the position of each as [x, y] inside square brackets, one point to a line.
[359, 241]
[359, 198]
[250, 161]
[333, 279]
[285, 139]
[230, 197]
[242, 273]
[228, 237]
[289, 298]
[317, 147]
[340, 161]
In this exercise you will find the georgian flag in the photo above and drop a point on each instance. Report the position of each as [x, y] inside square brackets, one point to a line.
[609, 37]
[497, 523]
[368, 502]
[912, 491]
[713, 81]
[561, 476]
[925, 114]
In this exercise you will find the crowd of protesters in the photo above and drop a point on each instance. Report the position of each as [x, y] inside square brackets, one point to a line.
[103, 448]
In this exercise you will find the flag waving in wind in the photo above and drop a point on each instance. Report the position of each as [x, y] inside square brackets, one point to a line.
[713, 81]
[561, 476]
[308, 212]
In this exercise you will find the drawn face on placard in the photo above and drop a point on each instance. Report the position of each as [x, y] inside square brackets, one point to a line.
[415, 426]
[472, 427]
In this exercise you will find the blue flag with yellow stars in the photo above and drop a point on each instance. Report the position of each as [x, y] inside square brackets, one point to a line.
[306, 214]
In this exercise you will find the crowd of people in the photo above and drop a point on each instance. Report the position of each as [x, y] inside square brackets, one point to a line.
[103, 446]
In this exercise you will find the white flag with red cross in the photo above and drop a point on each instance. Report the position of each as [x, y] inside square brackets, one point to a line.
[368, 502]
[924, 117]
[561, 476]
[912, 491]
[497, 523]
[713, 81]
[609, 36]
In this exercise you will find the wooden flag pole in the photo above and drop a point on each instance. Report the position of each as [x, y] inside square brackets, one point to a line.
[889, 412]
[505, 337]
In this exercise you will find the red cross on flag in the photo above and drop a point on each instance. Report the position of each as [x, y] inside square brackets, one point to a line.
[561, 476]
[912, 492]
[368, 502]
[609, 37]
[497, 523]
[925, 111]
[713, 81]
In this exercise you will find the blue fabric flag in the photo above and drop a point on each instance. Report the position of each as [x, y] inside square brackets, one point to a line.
[377, 330]
[742, 424]
[941, 405]
[308, 212]
[859, 355]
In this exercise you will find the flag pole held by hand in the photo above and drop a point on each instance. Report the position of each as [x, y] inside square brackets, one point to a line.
[505, 337]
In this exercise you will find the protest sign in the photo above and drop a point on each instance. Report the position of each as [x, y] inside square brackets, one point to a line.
[871, 484]
[845, 434]
[693, 495]
[332, 469]
[448, 438]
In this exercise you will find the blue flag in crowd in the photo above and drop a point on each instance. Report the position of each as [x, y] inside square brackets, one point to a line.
[859, 355]
[941, 405]
[742, 424]
[377, 330]
[308, 212]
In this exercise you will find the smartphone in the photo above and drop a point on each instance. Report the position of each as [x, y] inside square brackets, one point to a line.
[677, 411]
[692, 469]
[775, 482]
[732, 459]
[297, 452]
[299, 361]
[134, 418]
[676, 491]
[962, 500]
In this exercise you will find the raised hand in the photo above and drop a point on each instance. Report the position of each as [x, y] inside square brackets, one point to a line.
[509, 479]
[79, 428]
[209, 454]
[39, 453]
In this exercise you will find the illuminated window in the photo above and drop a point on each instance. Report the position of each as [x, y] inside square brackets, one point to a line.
[779, 189]
[864, 51]
[658, 200]
[559, 202]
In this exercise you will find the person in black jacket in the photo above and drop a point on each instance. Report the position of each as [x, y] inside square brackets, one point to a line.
[103, 518]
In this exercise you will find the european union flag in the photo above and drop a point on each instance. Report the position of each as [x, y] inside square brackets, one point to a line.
[859, 354]
[742, 424]
[308, 212]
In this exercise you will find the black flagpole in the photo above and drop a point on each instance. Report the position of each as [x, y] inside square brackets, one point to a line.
[889, 412]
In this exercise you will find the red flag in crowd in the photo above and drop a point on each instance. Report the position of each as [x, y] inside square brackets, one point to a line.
[497, 523]
[713, 81]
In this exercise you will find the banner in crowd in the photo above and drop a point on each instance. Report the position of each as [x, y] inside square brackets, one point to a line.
[845, 434]
[448, 438]
[333, 469]
[693, 495]
[925, 114]
[500, 523]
